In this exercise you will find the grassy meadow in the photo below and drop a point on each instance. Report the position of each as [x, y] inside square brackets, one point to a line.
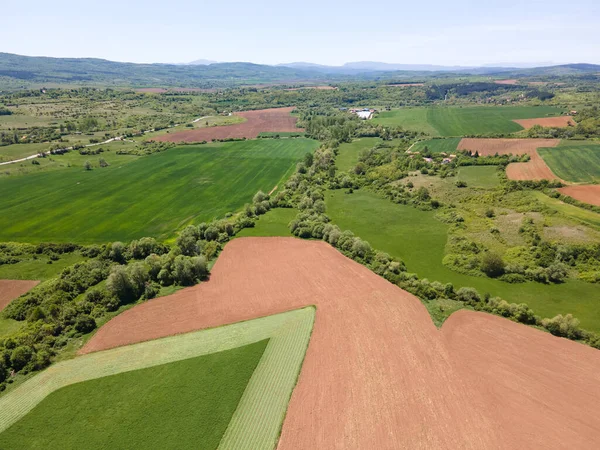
[348, 153]
[183, 404]
[461, 121]
[485, 177]
[419, 239]
[148, 196]
[273, 223]
[574, 163]
[448, 145]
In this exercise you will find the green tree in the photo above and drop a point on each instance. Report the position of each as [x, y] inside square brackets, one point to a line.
[492, 264]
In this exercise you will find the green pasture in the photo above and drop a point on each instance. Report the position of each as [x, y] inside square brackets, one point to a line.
[348, 153]
[419, 239]
[214, 387]
[572, 212]
[40, 268]
[184, 404]
[461, 121]
[273, 223]
[18, 151]
[448, 145]
[148, 196]
[479, 176]
[576, 163]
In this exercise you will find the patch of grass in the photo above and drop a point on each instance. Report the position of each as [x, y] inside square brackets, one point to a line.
[419, 240]
[9, 326]
[150, 196]
[38, 269]
[348, 153]
[573, 212]
[479, 176]
[186, 404]
[438, 145]
[256, 422]
[442, 308]
[459, 121]
[273, 223]
[18, 151]
[577, 163]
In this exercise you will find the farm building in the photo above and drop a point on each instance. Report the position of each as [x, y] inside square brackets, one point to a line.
[364, 113]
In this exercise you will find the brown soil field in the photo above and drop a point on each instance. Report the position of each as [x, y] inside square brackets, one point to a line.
[556, 122]
[406, 84]
[587, 193]
[319, 88]
[152, 90]
[512, 81]
[11, 289]
[534, 169]
[264, 120]
[377, 373]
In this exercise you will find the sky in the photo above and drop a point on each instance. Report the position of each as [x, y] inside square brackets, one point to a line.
[459, 32]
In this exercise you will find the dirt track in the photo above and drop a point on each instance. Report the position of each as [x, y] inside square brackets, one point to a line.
[378, 374]
[587, 193]
[11, 289]
[534, 169]
[555, 122]
[264, 120]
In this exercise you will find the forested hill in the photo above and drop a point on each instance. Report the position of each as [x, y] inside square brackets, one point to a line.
[91, 70]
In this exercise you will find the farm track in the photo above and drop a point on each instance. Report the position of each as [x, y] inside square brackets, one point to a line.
[12, 289]
[534, 169]
[377, 373]
[258, 121]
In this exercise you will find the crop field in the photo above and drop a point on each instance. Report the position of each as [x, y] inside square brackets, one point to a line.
[259, 121]
[348, 153]
[448, 145]
[577, 163]
[223, 378]
[419, 240]
[150, 196]
[351, 302]
[454, 121]
[11, 289]
[587, 193]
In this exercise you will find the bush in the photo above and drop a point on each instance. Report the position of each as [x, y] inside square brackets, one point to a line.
[564, 326]
[20, 357]
[492, 265]
[468, 295]
[84, 324]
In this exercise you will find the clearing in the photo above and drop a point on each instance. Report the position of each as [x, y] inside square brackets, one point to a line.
[348, 153]
[461, 121]
[374, 355]
[534, 169]
[578, 163]
[11, 289]
[264, 120]
[149, 196]
[419, 239]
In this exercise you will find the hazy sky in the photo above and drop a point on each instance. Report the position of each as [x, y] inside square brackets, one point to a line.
[462, 32]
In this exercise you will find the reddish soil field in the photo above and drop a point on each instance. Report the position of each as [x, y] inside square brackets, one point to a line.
[556, 122]
[534, 169]
[587, 193]
[11, 289]
[263, 120]
[319, 88]
[377, 373]
[506, 81]
[152, 90]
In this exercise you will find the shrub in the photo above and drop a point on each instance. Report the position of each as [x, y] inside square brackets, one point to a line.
[492, 265]
[564, 326]
[468, 295]
[84, 324]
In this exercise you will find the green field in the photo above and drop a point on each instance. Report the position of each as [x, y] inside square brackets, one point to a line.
[18, 151]
[576, 163]
[149, 196]
[479, 176]
[172, 387]
[187, 402]
[38, 269]
[273, 223]
[348, 153]
[459, 121]
[438, 145]
[419, 240]
[579, 214]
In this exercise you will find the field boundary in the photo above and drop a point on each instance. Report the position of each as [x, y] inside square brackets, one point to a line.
[263, 402]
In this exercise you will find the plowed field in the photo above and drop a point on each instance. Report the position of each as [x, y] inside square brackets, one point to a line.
[554, 122]
[377, 373]
[259, 121]
[584, 193]
[11, 289]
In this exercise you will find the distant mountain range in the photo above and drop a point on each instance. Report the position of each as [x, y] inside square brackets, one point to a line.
[15, 69]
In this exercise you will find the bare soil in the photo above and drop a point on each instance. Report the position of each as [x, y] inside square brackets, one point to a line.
[406, 84]
[587, 193]
[11, 289]
[554, 122]
[377, 373]
[511, 81]
[264, 120]
[534, 169]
